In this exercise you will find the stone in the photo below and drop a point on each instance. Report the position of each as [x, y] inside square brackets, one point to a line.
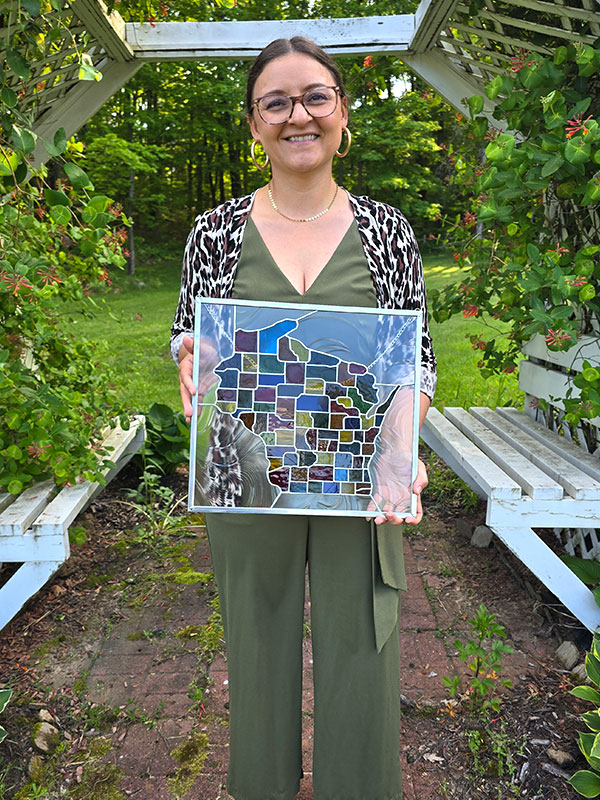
[464, 527]
[482, 537]
[560, 757]
[45, 737]
[568, 655]
[45, 716]
[35, 767]
[579, 675]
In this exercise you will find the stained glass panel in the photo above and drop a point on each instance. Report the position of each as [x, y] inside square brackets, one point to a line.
[304, 409]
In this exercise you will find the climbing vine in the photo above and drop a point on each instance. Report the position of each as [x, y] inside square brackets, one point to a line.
[58, 240]
[530, 241]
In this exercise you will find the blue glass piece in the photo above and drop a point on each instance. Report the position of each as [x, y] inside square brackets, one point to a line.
[298, 486]
[305, 459]
[229, 378]
[364, 384]
[268, 380]
[269, 337]
[340, 474]
[277, 451]
[321, 358]
[290, 460]
[301, 443]
[321, 420]
[334, 390]
[351, 422]
[235, 362]
[343, 460]
[315, 487]
[350, 447]
[269, 407]
[330, 487]
[289, 390]
[355, 475]
[378, 420]
[328, 434]
[312, 402]
[327, 373]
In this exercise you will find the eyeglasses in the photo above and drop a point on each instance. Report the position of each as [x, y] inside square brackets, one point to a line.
[276, 108]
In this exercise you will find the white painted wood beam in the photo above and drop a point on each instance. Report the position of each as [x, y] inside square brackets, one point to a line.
[81, 102]
[179, 41]
[521, 44]
[431, 17]
[26, 581]
[436, 69]
[560, 9]
[108, 29]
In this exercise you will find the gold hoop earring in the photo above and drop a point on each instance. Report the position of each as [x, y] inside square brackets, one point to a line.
[253, 156]
[349, 135]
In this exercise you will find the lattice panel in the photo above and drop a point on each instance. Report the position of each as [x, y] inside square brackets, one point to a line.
[55, 63]
[581, 542]
[501, 33]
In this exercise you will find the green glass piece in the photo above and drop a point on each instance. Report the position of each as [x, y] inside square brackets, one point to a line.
[315, 386]
[300, 350]
[249, 362]
[359, 403]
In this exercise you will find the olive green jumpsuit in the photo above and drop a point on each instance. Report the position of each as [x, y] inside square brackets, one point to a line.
[355, 573]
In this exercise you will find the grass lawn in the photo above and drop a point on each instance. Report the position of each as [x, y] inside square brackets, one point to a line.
[141, 312]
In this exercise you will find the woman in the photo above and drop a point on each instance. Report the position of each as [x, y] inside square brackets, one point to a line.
[304, 239]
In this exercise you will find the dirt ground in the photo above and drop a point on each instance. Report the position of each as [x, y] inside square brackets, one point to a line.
[49, 652]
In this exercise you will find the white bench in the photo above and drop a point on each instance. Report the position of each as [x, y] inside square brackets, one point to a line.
[34, 525]
[531, 478]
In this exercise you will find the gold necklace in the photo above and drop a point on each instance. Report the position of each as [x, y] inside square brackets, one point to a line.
[304, 219]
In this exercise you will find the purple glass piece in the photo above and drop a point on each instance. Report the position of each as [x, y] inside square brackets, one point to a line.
[246, 341]
[357, 369]
[276, 422]
[264, 394]
[294, 373]
[311, 438]
[285, 353]
[321, 473]
[280, 477]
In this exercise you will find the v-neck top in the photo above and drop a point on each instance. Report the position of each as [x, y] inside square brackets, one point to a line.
[345, 279]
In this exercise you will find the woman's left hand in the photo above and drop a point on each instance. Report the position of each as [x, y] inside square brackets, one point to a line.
[391, 495]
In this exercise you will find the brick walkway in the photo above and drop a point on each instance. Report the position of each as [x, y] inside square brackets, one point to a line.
[151, 677]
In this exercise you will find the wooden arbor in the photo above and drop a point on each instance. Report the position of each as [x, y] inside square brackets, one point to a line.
[452, 50]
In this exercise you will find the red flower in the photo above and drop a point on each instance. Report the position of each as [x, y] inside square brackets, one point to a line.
[576, 124]
[519, 61]
[470, 311]
[368, 62]
[48, 276]
[556, 338]
[14, 282]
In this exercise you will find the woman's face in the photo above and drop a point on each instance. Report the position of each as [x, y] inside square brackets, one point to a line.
[303, 143]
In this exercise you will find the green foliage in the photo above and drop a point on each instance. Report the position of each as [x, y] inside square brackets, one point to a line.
[531, 239]
[5, 695]
[483, 657]
[587, 570]
[167, 440]
[587, 781]
[58, 241]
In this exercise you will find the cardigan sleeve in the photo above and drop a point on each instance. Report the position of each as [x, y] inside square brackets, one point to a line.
[411, 295]
[196, 261]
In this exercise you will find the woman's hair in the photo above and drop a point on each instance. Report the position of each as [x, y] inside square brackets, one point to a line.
[283, 47]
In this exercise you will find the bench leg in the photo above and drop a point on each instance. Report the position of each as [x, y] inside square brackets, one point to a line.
[551, 571]
[26, 581]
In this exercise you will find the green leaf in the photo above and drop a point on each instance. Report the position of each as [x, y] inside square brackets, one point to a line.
[591, 374]
[23, 139]
[586, 693]
[533, 254]
[87, 70]
[60, 214]
[587, 292]
[475, 104]
[15, 487]
[17, 64]
[501, 148]
[5, 695]
[99, 203]
[54, 198]
[586, 782]
[552, 165]
[592, 719]
[560, 55]
[592, 668]
[577, 150]
[9, 98]
[60, 140]
[493, 88]
[77, 177]
[32, 7]
[586, 569]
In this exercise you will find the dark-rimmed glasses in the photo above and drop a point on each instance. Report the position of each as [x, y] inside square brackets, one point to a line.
[276, 108]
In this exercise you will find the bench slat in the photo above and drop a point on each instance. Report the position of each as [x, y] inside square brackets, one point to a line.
[536, 483]
[58, 514]
[565, 513]
[6, 499]
[577, 483]
[20, 514]
[576, 455]
[474, 467]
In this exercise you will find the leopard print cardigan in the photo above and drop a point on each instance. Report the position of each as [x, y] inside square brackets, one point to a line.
[214, 247]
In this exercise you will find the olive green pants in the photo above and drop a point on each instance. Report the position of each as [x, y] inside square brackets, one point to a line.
[260, 563]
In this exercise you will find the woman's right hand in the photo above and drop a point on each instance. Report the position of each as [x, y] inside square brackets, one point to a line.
[207, 362]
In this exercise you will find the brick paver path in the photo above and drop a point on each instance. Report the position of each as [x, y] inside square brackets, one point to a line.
[151, 676]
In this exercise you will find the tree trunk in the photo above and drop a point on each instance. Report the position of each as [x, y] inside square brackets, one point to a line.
[131, 265]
